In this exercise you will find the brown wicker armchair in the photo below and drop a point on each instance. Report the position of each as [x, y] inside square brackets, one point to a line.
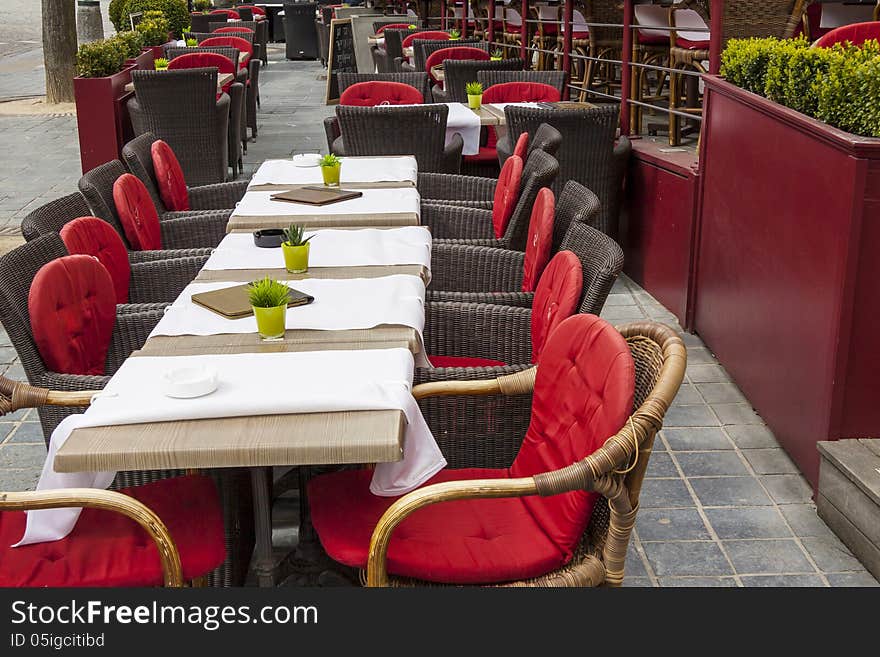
[422, 49]
[458, 72]
[181, 107]
[52, 216]
[606, 44]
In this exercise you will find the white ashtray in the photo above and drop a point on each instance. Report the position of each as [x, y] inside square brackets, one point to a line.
[190, 382]
[306, 159]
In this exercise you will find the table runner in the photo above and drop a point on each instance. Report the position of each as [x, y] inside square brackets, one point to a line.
[371, 172]
[250, 385]
[465, 122]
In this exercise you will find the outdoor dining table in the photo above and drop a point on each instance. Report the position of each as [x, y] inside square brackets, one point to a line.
[357, 172]
[222, 79]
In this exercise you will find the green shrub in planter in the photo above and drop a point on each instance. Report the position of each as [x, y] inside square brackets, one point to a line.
[744, 62]
[117, 14]
[99, 59]
[803, 77]
[130, 42]
[776, 75]
[175, 12]
[202, 5]
[849, 96]
[154, 30]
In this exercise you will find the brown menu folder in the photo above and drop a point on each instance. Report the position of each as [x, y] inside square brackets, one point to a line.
[316, 195]
[233, 302]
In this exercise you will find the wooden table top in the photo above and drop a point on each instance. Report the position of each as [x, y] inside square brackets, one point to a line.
[222, 79]
[241, 224]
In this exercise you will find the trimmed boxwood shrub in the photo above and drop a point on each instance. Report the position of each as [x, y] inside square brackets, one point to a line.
[175, 11]
[131, 42]
[99, 59]
[153, 28]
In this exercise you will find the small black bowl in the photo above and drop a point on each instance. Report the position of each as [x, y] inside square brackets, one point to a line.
[269, 238]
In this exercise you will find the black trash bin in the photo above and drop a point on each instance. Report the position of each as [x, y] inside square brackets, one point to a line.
[301, 38]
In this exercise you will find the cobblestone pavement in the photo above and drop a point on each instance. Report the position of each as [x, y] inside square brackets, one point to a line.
[722, 505]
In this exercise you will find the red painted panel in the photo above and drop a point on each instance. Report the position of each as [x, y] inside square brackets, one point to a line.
[101, 117]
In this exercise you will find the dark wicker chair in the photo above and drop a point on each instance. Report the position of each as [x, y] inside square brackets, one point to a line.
[458, 72]
[252, 90]
[474, 225]
[587, 155]
[422, 48]
[394, 48]
[259, 38]
[388, 130]
[488, 77]
[180, 230]
[53, 215]
[182, 108]
[201, 22]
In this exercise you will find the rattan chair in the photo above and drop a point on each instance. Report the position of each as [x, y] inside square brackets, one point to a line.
[606, 44]
[180, 230]
[587, 155]
[252, 81]
[458, 72]
[257, 38]
[52, 216]
[555, 79]
[393, 53]
[546, 138]
[417, 130]
[422, 49]
[181, 107]
[201, 22]
[413, 79]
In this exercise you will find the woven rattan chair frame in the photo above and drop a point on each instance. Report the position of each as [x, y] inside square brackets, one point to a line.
[181, 108]
[394, 48]
[256, 38]
[546, 138]
[458, 72]
[201, 22]
[422, 49]
[405, 130]
[615, 471]
[555, 79]
[52, 216]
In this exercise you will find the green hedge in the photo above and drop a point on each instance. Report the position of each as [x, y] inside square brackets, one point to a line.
[839, 85]
[175, 12]
[99, 59]
[153, 28]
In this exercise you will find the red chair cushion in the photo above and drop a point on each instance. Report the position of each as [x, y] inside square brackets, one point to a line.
[512, 29]
[464, 361]
[539, 239]
[485, 155]
[393, 26]
[72, 308]
[257, 11]
[243, 45]
[521, 92]
[856, 34]
[522, 146]
[169, 177]
[233, 30]
[506, 194]
[430, 36]
[93, 237]
[380, 92]
[583, 395]
[692, 45]
[229, 12]
[556, 298]
[204, 60]
[138, 215]
[581, 35]
[108, 549]
[457, 52]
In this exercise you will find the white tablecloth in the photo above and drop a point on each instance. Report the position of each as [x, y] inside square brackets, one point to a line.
[251, 384]
[464, 121]
[408, 245]
[401, 169]
[403, 200]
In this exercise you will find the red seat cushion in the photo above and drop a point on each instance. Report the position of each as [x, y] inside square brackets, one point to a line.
[583, 394]
[556, 298]
[138, 215]
[506, 194]
[485, 155]
[464, 361]
[169, 177]
[72, 308]
[646, 39]
[233, 30]
[580, 35]
[692, 45]
[229, 13]
[522, 146]
[380, 92]
[457, 52]
[393, 26]
[521, 92]
[93, 237]
[428, 36]
[108, 549]
[856, 34]
[512, 29]
[243, 45]
[204, 60]
[539, 239]
[257, 11]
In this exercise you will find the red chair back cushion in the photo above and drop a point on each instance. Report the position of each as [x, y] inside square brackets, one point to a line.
[583, 395]
[556, 298]
[506, 194]
[393, 26]
[856, 34]
[522, 146]
[94, 237]
[229, 12]
[204, 60]
[458, 52]
[233, 30]
[257, 11]
[243, 45]
[539, 239]
[521, 92]
[72, 307]
[169, 177]
[429, 36]
[138, 215]
[380, 92]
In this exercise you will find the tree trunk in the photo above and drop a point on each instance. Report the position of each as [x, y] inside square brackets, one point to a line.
[59, 49]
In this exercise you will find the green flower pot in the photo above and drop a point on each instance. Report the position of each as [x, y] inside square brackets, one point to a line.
[331, 175]
[270, 322]
[495, 59]
[475, 102]
[296, 258]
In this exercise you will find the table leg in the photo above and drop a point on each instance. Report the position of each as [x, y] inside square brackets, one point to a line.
[264, 563]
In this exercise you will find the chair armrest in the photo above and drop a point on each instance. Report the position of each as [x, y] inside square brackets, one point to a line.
[404, 65]
[447, 186]
[201, 230]
[166, 254]
[463, 268]
[218, 196]
[70, 390]
[504, 149]
[518, 299]
[135, 308]
[440, 94]
[129, 334]
[452, 154]
[479, 330]
[446, 221]
[163, 280]
[331, 129]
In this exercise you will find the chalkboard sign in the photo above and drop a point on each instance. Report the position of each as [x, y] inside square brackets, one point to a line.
[341, 57]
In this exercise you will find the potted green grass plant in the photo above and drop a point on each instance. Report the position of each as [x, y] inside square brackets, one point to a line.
[496, 55]
[295, 249]
[192, 43]
[454, 35]
[331, 167]
[269, 299]
[474, 92]
[161, 64]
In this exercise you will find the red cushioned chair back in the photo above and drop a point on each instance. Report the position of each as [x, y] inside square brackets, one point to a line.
[428, 36]
[233, 30]
[522, 145]
[257, 11]
[380, 92]
[521, 92]
[539, 240]
[457, 52]
[556, 298]
[506, 194]
[856, 34]
[138, 215]
[204, 60]
[393, 26]
[229, 13]
[72, 307]
[169, 177]
[243, 45]
[94, 237]
[583, 396]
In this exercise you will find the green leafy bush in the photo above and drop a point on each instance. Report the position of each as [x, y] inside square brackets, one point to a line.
[174, 11]
[154, 30]
[131, 42]
[745, 63]
[117, 14]
[776, 74]
[202, 5]
[99, 59]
